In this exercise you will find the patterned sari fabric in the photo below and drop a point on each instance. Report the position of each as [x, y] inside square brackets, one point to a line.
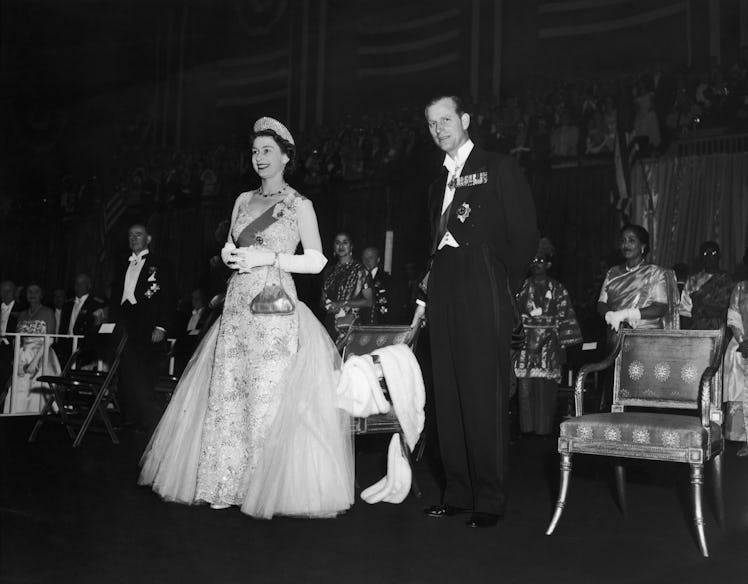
[344, 282]
[550, 325]
[736, 367]
[706, 297]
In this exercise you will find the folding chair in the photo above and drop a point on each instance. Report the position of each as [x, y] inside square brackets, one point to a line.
[167, 379]
[362, 340]
[78, 394]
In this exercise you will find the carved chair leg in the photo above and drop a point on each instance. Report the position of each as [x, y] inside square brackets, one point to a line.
[563, 490]
[697, 482]
[621, 486]
[718, 496]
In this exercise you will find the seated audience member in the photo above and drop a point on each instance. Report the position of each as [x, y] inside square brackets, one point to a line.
[33, 358]
[59, 298]
[80, 316]
[706, 295]
[565, 138]
[379, 280]
[681, 275]
[190, 329]
[736, 369]
[345, 289]
[8, 321]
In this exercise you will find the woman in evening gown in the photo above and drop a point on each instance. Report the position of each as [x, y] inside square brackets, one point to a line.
[34, 360]
[253, 421]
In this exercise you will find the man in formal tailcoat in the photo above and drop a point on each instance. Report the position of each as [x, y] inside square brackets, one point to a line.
[8, 321]
[379, 282]
[485, 233]
[144, 302]
[80, 316]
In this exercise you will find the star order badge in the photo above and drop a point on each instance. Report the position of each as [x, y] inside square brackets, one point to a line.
[463, 212]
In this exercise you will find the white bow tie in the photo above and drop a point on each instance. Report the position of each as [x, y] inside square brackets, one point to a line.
[6, 307]
[134, 258]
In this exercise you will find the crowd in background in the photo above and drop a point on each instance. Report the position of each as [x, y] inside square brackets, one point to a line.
[567, 120]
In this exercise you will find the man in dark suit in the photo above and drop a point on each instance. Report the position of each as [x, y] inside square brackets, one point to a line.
[8, 322]
[80, 316]
[483, 220]
[379, 281]
[144, 302]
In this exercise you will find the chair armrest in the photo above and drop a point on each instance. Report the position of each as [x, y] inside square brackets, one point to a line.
[706, 385]
[705, 405]
[585, 370]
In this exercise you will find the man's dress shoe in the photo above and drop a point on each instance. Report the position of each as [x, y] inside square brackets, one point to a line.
[482, 520]
[443, 511]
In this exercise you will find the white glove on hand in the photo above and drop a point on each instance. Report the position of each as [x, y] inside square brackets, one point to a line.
[310, 262]
[226, 253]
[615, 317]
[246, 258]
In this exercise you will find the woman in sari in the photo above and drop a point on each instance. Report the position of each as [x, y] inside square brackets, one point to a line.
[550, 326]
[636, 292]
[736, 369]
[346, 289]
[706, 295]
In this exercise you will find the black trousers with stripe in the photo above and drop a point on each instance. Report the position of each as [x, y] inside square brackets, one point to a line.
[470, 323]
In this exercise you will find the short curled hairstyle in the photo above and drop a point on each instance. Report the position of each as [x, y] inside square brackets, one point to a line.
[285, 146]
[640, 233]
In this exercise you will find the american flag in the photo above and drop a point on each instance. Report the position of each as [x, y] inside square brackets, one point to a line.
[112, 211]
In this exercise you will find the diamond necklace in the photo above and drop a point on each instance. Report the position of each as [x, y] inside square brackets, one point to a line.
[266, 195]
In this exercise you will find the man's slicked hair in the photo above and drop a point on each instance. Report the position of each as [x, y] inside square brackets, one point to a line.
[456, 99]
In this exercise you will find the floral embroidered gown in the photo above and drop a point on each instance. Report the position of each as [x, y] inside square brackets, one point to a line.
[21, 397]
[253, 421]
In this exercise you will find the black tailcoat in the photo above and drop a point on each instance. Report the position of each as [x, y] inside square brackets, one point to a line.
[470, 317]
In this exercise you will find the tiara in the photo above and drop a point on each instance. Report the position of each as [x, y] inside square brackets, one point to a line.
[274, 125]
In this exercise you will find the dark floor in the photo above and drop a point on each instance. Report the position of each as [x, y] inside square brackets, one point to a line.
[77, 516]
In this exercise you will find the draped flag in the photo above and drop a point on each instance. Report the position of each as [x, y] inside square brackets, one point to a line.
[403, 47]
[254, 80]
[112, 211]
[622, 163]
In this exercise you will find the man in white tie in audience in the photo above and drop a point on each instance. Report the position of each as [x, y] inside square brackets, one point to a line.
[59, 298]
[8, 321]
[80, 316]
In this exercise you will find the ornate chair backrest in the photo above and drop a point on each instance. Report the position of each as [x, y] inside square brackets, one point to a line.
[663, 368]
[362, 340]
[671, 320]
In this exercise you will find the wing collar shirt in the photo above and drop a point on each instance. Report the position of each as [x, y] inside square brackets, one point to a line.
[5, 311]
[79, 302]
[131, 276]
[454, 168]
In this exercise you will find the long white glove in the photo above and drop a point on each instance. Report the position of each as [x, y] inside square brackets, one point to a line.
[310, 262]
[615, 317]
[226, 253]
[246, 258]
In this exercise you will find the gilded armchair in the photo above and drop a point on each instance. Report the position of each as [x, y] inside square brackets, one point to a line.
[661, 373]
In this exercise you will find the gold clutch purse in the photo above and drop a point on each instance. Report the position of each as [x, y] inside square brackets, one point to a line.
[272, 299]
